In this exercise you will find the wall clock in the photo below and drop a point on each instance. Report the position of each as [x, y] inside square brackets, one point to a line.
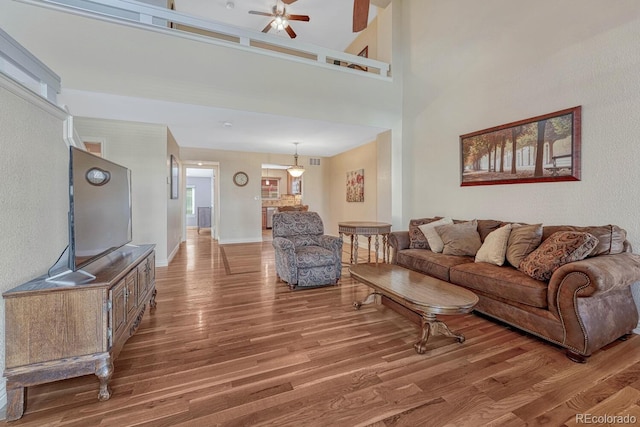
[240, 179]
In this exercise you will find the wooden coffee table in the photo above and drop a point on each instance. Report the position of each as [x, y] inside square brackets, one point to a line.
[422, 294]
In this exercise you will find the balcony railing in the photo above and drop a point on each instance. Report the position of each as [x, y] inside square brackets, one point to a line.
[134, 13]
[20, 65]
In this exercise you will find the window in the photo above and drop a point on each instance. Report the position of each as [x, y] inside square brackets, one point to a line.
[191, 200]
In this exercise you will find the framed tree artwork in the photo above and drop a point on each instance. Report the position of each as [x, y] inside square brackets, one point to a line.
[540, 149]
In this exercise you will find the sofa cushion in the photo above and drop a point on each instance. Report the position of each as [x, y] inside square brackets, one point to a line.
[417, 240]
[523, 240]
[611, 238]
[486, 226]
[460, 239]
[505, 282]
[559, 249]
[429, 263]
[429, 230]
[494, 247]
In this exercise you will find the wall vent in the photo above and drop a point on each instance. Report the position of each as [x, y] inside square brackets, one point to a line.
[314, 162]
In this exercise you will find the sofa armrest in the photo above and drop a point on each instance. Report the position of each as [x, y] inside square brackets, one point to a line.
[593, 300]
[601, 274]
[398, 240]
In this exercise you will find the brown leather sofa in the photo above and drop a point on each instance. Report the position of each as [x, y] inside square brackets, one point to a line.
[585, 305]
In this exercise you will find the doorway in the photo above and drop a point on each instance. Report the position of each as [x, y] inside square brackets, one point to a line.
[201, 199]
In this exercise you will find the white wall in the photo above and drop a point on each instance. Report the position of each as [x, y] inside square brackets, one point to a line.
[363, 157]
[35, 192]
[141, 147]
[473, 65]
[241, 207]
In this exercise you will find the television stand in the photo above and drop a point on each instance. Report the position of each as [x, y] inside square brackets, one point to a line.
[71, 278]
[55, 331]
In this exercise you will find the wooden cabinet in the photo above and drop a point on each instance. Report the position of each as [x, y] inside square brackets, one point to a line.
[54, 332]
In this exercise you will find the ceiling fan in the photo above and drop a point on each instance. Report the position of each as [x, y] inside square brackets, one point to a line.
[360, 15]
[280, 19]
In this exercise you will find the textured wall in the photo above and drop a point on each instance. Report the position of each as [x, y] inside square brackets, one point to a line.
[493, 64]
[35, 194]
[141, 147]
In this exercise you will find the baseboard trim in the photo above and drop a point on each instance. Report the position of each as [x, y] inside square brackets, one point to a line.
[247, 240]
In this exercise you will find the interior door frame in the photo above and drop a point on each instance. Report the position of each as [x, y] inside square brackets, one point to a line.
[215, 196]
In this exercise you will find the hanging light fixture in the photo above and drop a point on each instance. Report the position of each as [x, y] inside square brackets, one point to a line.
[280, 22]
[296, 170]
[267, 181]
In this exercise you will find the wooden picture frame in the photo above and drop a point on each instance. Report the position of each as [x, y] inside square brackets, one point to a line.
[547, 149]
[174, 175]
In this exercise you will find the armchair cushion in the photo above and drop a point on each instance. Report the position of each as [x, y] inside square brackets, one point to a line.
[305, 240]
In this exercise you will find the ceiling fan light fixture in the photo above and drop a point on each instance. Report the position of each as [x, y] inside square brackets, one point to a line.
[296, 170]
[279, 23]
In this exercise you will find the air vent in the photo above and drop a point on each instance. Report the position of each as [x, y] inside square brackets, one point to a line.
[314, 162]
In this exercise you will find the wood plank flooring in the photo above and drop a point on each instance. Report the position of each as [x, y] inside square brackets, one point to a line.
[244, 350]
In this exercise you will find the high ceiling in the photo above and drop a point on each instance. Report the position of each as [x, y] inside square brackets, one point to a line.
[330, 23]
[200, 126]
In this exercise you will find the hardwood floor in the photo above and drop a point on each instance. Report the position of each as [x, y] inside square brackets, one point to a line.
[243, 350]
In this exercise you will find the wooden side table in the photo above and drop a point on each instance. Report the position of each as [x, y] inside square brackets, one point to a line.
[368, 229]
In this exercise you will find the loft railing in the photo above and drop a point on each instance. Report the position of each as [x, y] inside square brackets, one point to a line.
[20, 65]
[156, 18]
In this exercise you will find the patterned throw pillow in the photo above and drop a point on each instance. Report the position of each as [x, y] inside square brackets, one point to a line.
[417, 240]
[559, 249]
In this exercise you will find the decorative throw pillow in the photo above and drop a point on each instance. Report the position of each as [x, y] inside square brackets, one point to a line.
[460, 239]
[523, 240]
[432, 236]
[416, 238]
[494, 248]
[559, 249]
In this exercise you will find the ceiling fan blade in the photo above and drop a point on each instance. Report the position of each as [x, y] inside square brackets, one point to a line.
[298, 18]
[288, 1]
[290, 31]
[255, 12]
[268, 27]
[360, 15]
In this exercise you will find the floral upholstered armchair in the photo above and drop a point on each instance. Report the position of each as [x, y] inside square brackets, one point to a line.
[305, 256]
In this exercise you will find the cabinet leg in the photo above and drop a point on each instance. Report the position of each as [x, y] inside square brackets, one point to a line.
[152, 301]
[15, 401]
[104, 370]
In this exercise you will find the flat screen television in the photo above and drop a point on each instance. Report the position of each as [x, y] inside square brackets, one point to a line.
[99, 213]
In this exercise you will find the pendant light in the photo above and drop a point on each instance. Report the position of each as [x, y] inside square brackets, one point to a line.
[296, 170]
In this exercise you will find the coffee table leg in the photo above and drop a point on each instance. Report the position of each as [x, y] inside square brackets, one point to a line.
[432, 326]
[368, 300]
